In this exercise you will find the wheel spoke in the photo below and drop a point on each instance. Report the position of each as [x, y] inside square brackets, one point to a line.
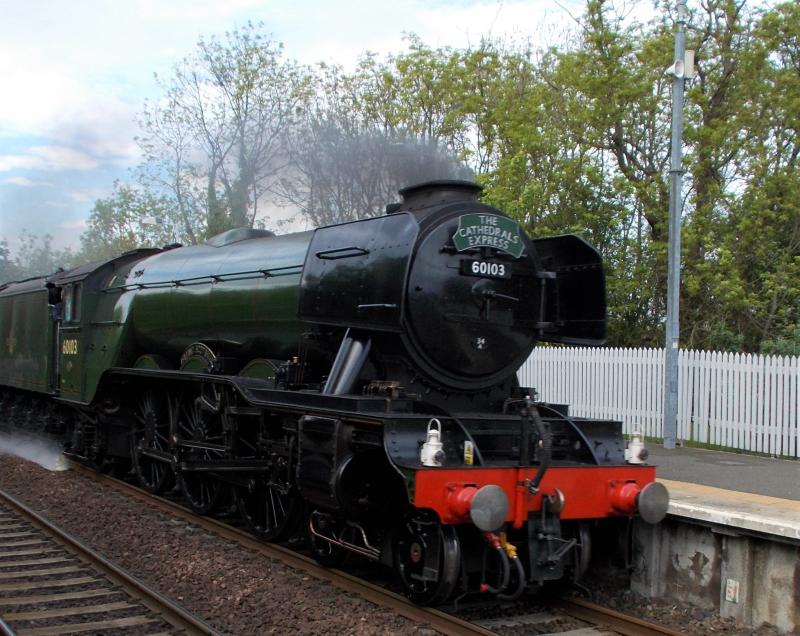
[150, 433]
[193, 423]
[274, 515]
[270, 514]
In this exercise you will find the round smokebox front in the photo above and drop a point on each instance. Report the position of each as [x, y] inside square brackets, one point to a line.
[472, 299]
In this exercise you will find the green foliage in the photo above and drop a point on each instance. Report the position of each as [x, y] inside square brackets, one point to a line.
[573, 138]
[743, 250]
[787, 345]
[35, 257]
[588, 152]
[127, 219]
[8, 268]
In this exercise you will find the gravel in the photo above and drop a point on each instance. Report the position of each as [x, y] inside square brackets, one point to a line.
[241, 592]
[235, 590]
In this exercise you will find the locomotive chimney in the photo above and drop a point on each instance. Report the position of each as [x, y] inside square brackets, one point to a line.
[423, 195]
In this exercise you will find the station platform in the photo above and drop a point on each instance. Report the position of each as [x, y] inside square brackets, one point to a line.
[730, 471]
[753, 494]
[731, 539]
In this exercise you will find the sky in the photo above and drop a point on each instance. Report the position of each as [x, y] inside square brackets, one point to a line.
[75, 76]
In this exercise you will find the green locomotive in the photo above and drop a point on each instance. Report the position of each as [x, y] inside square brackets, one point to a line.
[360, 378]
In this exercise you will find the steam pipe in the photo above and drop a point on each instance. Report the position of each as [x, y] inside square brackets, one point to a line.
[350, 359]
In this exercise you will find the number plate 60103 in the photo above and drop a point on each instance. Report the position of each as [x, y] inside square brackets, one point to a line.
[485, 269]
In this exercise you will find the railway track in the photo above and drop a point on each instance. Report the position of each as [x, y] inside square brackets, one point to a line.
[602, 621]
[438, 620]
[605, 621]
[51, 584]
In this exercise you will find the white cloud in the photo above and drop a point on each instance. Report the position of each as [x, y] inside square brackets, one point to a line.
[78, 72]
[48, 158]
[466, 25]
[49, 102]
[73, 224]
[24, 182]
[58, 204]
[87, 195]
[313, 32]
[103, 127]
[40, 88]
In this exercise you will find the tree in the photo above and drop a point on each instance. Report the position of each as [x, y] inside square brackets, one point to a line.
[721, 36]
[759, 285]
[222, 123]
[168, 170]
[581, 139]
[127, 219]
[8, 268]
[587, 150]
[35, 257]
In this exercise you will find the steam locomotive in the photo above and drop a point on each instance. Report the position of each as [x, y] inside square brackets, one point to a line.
[356, 383]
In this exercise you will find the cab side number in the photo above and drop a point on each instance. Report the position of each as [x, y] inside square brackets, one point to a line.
[69, 347]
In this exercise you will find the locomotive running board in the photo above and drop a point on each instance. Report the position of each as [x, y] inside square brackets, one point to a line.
[257, 394]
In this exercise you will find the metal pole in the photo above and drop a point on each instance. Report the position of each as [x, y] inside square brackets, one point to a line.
[674, 266]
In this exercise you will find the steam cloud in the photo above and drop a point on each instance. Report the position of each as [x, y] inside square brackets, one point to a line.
[46, 454]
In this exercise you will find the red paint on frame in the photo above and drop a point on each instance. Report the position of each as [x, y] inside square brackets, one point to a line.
[589, 491]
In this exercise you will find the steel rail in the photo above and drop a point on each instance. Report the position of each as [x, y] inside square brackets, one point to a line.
[619, 622]
[440, 621]
[150, 598]
[436, 619]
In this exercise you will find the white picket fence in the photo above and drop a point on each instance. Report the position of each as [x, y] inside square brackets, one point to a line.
[741, 401]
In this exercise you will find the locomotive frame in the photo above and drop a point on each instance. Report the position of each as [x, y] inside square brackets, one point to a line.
[357, 381]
